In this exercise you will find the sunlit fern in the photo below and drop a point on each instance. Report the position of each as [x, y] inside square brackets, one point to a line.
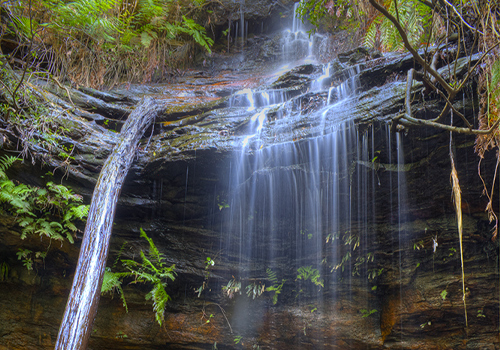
[90, 17]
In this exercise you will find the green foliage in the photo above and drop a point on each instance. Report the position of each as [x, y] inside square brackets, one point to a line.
[276, 287]
[49, 211]
[414, 16]
[100, 42]
[237, 339]
[366, 313]
[374, 273]
[86, 19]
[494, 92]
[425, 324]
[4, 271]
[209, 263]
[197, 32]
[25, 256]
[221, 203]
[418, 245]
[345, 14]
[443, 294]
[28, 257]
[232, 288]
[151, 270]
[112, 281]
[121, 335]
[306, 273]
[255, 289]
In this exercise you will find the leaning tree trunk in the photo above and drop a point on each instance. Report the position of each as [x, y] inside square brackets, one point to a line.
[81, 308]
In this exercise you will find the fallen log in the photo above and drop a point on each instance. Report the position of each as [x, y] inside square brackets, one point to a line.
[81, 308]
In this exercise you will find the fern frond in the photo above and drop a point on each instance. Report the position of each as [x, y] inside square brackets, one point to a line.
[271, 275]
[370, 36]
[147, 263]
[153, 251]
[110, 282]
[6, 162]
[160, 299]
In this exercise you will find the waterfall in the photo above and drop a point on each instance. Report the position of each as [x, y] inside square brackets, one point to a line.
[242, 22]
[301, 214]
[298, 43]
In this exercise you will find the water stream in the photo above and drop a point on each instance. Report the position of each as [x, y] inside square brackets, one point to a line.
[300, 214]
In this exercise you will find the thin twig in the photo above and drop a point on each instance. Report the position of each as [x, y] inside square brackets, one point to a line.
[461, 18]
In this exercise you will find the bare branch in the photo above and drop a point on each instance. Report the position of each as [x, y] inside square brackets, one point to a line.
[461, 18]
[410, 121]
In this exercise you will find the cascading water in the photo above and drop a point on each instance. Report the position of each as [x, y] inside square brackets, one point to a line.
[298, 43]
[301, 213]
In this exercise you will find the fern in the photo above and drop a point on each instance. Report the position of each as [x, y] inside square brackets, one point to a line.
[197, 32]
[308, 273]
[160, 299]
[88, 17]
[276, 287]
[112, 281]
[494, 86]
[5, 163]
[151, 270]
[413, 16]
[50, 211]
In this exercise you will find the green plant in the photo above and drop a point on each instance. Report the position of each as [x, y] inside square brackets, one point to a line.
[366, 313]
[418, 245]
[49, 211]
[255, 289]
[221, 204]
[443, 294]
[452, 251]
[209, 263]
[276, 287]
[374, 273]
[151, 270]
[120, 335]
[237, 339]
[480, 313]
[112, 282]
[209, 318]
[25, 256]
[308, 273]
[413, 15]
[197, 32]
[4, 271]
[232, 288]
[423, 325]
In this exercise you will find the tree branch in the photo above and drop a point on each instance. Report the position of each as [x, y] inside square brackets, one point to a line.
[410, 48]
[461, 18]
[422, 122]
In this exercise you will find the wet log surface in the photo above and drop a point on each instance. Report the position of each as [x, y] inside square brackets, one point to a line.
[81, 308]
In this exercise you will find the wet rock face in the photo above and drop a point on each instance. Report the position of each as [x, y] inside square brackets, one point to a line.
[258, 10]
[398, 287]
